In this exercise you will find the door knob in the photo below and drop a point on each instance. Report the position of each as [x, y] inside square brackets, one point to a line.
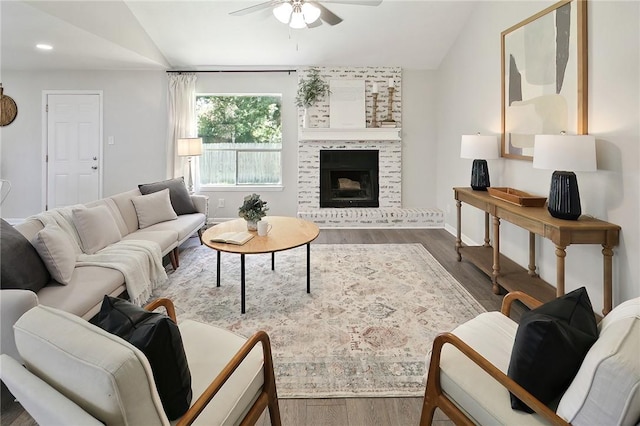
[94, 167]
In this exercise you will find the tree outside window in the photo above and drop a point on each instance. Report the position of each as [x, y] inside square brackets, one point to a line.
[242, 136]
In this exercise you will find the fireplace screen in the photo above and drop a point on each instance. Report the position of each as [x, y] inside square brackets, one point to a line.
[349, 178]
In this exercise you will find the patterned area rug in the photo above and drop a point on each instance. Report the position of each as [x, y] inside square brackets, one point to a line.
[364, 330]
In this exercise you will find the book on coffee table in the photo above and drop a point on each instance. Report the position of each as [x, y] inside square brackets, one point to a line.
[237, 238]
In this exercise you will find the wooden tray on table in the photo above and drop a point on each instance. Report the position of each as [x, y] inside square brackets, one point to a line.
[517, 197]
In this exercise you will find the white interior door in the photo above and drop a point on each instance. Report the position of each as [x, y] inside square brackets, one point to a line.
[73, 149]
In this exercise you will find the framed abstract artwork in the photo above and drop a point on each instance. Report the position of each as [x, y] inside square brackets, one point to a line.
[544, 77]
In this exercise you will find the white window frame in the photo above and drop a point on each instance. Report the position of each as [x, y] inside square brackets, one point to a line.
[269, 187]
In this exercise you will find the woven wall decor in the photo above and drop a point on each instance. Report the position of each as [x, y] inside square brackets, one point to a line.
[8, 109]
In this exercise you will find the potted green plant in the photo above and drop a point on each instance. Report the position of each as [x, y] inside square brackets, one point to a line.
[310, 91]
[253, 209]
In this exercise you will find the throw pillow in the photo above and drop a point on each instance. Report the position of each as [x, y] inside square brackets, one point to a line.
[57, 252]
[96, 228]
[20, 263]
[158, 337]
[180, 198]
[550, 344]
[153, 208]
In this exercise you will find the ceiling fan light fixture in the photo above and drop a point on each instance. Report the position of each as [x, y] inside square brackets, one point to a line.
[283, 12]
[297, 21]
[310, 12]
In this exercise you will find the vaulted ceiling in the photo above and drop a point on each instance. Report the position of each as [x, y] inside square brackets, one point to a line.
[196, 35]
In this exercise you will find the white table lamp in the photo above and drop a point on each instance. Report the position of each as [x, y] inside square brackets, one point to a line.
[480, 148]
[564, 154]
[190, 147]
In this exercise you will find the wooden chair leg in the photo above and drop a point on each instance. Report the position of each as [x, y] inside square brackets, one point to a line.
[173, 260]
[200, 236]
[176, 254]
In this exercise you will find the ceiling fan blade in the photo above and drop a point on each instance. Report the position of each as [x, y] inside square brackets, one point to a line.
[326, 15]
[356, 2]
[255, 8]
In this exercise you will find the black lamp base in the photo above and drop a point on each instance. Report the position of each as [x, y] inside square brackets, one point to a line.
[480, 175]
[564, 198]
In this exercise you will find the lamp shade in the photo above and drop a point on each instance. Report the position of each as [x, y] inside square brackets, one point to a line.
[283, 12]
[188, 147]
[576, 153]
[564, 154]
[482, 147]
[311, 13]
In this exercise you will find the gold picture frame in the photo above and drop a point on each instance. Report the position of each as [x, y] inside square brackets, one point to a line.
[544, 77]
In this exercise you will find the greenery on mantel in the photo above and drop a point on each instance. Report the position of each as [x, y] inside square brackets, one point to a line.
[312, 89]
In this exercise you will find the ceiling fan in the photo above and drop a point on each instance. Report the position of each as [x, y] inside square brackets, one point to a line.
[303, 13]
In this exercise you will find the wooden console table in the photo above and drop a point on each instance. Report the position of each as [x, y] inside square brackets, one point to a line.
[537, 220]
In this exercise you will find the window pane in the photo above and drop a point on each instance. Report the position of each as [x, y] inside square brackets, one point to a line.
[217, 167]
[242, 137]
[259, 167]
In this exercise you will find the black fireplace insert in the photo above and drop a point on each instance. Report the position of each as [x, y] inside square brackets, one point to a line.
[349, 178]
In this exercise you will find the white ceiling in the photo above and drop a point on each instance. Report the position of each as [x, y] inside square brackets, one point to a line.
[197, 35]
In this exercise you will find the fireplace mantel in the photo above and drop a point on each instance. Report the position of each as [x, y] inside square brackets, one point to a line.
[367, 134]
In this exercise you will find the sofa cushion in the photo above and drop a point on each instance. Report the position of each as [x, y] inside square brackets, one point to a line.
[22, 267]
[158, 337]
[551, 342]
[185, 225]
[180, 198]
[200, 342]
[491, 334]
[606, 389]
[96, 228]
[108, 377]
[83, 295]
[167, 240]
[127, 209]
[57, 251]
[153, 208]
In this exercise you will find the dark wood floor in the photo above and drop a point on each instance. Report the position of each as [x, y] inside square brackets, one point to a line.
[358, 411]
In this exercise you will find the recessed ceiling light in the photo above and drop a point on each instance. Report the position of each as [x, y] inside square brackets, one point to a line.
[44, 46]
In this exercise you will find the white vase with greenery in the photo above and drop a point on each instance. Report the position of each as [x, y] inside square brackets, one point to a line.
[310, 90]
[253, 209]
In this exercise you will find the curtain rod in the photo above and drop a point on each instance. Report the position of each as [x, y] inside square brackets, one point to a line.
[229, 71]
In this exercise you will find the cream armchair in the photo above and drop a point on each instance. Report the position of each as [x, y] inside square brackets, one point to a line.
[76, 373]
[467, 373]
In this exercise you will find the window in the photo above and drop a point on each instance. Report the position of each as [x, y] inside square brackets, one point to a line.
[242, 139]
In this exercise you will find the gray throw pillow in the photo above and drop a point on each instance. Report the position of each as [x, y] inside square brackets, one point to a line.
[178, 193]
[21, 265]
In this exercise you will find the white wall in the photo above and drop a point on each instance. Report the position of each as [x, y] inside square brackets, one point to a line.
[419, 101]
[134, 114]
[469, 101]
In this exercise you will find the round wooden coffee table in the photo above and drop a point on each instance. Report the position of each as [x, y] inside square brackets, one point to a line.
[286, 233]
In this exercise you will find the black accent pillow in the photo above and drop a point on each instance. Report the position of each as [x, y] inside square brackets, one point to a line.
[551, 342]
[178, 193]
[158, 337]
[22, 267]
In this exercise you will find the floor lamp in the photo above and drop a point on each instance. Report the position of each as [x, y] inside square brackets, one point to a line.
[190, 147]
[564, 154]
[480, 148]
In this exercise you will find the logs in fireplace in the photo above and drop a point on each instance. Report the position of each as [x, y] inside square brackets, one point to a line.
[349, 178]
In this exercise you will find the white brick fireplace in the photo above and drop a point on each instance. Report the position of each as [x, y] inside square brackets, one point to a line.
[387, 141]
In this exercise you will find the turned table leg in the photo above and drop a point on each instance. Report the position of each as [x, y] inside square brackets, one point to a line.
[532, 255]
[607, 252]
[487, 240]
[561, 253]
[496, 255]
[458, 231]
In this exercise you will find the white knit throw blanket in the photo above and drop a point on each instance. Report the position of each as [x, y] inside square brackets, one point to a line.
[139, 261]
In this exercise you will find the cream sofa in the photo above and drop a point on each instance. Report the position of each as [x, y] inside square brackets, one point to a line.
[88, 285]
